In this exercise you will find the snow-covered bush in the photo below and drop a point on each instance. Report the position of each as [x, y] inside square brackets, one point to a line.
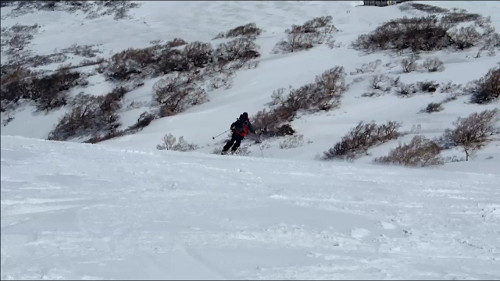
[419, 152]
[362, 137]
[487, 88]
[302, 37]
[170, 142]
[472, 132]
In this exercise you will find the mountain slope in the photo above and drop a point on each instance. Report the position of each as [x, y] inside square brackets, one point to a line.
[252, 88]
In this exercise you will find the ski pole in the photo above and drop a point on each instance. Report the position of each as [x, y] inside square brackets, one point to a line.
[220, 134]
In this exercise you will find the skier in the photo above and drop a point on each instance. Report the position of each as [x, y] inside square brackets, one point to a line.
[240, 128]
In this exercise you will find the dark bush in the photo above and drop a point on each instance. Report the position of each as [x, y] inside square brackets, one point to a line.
[144, 120]
[464, 37]
[177, 93]
[248, 30]
[433, 107]
[454, 18]
[426, 8]
[324, 94]
[362, 137]
[406, 90]
[91, 116]
[472, 132]
[242, 49]
[285, 130]
[302, 37]
[172, 60]
[428, 86]
[487, 89]
[198, 53]
[419, 152]
[416, 34]
[128, 62]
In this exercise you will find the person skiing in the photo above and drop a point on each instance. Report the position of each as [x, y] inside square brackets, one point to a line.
[240, 128]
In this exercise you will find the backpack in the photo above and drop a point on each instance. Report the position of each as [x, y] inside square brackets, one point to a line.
[240, 127]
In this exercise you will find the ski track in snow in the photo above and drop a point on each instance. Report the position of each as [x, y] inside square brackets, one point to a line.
[76, 211]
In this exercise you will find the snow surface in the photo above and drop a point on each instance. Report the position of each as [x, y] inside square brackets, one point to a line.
[122, 209]
[81, 211]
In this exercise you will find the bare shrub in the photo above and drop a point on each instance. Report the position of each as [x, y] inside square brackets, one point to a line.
[324, 94]
[144, 120]
[91, 115]
[381, 82]
[409, 64]
[90, 8]
[14, 84]
[285, 130]
[460, 17]
[406, 90]
[170, 142]
[302, 37]
[419, 152]
[464, 37]
[472, 132]
[198, 53]
[128, 62]
[87, 51]
[450, 87]
[416, 34]
[367, 67]
[172, 60]
[292, 142]
[48, 92]
[176, 93]
[239, 49]
[249, 30]
[433, 64]
[423, 7]
[362, 137]
[487, 88]
[433, 107]
[428, 86]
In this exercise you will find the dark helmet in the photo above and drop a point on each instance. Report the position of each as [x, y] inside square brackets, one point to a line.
[244, 116]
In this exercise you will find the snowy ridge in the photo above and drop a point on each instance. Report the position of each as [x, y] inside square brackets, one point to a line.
[73, 211]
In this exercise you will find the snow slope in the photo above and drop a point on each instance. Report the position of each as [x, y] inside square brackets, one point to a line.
[80, 211]
[122, 209]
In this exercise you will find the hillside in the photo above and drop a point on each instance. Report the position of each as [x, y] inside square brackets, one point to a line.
[251, 89]
[376, 155]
